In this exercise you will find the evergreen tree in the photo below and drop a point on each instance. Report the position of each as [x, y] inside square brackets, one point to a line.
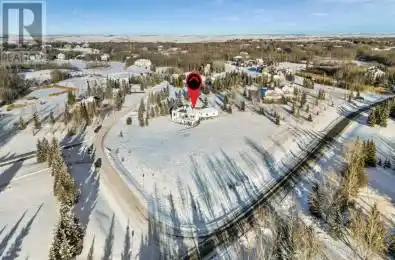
[157, 112]
[67, 116]
[225, 103]
[371, 153]
[372, 118]
[146, 121]
[378, 115]
[293, 111]
[142, 105]
[129, 120]
[64, 187]
[42, 150]
[379, 162]
[303, 101]
[39, 152]
[383, 121]
[68, 236]
[205, 101]
[277, 118]
[71, 98]
[53, 151]
[242, 105]
[84, 114]
[230, 110]
[140, 116]
[21, 124]
[310, 118]
[52, 118]
[36, 120]
[375, 232]
[108, 92]
[179, 101]
[119, 100]
[152, 112]
[89, 90]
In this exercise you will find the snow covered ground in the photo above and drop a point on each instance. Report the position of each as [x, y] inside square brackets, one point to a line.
[379, 190]
[47, 100]
[219, 166]
[27, 211]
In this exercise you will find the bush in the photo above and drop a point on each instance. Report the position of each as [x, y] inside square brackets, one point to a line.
[58, 75]
[129, 121]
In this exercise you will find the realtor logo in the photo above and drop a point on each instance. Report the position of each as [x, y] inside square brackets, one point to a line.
[22, 22]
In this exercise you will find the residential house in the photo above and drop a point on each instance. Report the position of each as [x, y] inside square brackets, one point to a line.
[105, 57]
[61, 56]
[143, 63]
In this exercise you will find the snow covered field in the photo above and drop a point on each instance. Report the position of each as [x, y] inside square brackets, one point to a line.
[202, 175]
[27, 211]
[379, 190]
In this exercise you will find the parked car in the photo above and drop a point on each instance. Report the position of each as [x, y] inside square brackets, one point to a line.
[98, 163]
[97, 129]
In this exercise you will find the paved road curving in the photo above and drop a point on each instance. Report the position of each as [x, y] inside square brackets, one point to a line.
[126, 198]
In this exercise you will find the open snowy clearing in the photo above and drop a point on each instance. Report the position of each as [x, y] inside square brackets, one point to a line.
[27, 211]
[200, 175]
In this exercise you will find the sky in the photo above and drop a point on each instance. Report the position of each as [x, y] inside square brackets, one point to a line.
[219, 17]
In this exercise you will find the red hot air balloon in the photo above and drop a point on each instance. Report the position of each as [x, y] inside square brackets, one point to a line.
[194, 83]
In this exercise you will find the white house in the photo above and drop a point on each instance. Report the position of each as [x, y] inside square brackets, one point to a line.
[207, 112]
[187, 116]
[184, 115]
[143, 63]
[375, 72]
[105, 57]
[61, 56]
[85, 45]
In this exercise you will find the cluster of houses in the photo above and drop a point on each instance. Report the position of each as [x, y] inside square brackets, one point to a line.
[143, 63]
[84, 49]
[375, 71]
[244, 60]
[255, 93]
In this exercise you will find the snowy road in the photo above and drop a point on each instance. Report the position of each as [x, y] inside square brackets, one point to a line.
[125, 197]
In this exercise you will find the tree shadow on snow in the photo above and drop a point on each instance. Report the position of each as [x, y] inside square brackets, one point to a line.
[7, 237]
[7, 176]
[163, 241]
[150, 245]
[126, 254]
[109, 242]
[91, 250]
[87, 181]
[16, 247]
[7, 129]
